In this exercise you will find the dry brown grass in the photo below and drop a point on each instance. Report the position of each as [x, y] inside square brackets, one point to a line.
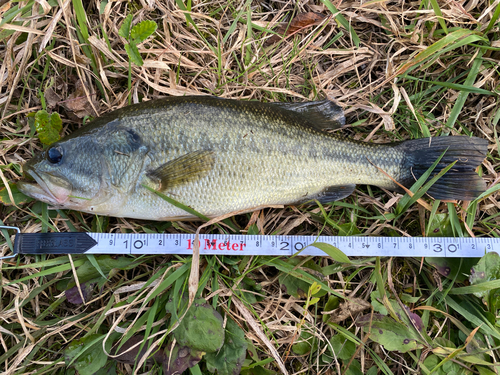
[43, 53]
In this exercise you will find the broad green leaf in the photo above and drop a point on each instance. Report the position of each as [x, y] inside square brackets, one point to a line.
[86, 355]
[390, 333]
[48, 126]
[439, 226]
[485, 272]
[229, 359]
[133, 54]
[108, 369]
[333, 252]
[433, 362]
[344, 349]
[314, 301]
[315, 288]
[305, 343]
[142, 31]
[487, 269]
[201, 328]
[292, 286]
[251, 291]
[332, 303]
[19, 198]
[125, 28]
[296, 285]
[452, 268]
[102, 6]
[485, 371]
[302, 275]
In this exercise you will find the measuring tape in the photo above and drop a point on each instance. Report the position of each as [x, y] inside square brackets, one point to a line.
[235, 244]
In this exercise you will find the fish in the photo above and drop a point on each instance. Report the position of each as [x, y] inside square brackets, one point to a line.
[219, 156]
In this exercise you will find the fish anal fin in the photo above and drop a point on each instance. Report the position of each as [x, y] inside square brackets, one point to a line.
[332, 193]
[184, 169]
[322, 114]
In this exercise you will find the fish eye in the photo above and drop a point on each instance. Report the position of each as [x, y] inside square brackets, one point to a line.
[54, 154]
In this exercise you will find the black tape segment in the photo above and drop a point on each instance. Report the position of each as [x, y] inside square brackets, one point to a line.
[53, 243]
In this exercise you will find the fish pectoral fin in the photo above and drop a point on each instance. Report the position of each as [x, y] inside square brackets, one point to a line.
[332, 193]
[186, 168]
[323, 114]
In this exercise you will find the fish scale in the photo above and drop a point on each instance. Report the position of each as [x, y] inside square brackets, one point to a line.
[219, 156]
[226, 188]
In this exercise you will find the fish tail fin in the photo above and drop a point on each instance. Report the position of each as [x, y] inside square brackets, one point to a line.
[461, 182]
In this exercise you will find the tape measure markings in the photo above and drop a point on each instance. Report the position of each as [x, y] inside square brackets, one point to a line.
[235, 244]
[109, 243]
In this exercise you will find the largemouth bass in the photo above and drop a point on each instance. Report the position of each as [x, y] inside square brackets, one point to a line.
[219, 156]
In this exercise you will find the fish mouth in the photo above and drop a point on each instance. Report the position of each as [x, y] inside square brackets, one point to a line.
[45, 187]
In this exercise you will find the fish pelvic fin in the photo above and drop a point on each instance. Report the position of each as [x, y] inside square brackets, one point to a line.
[461, 182]
[322, 114]
[331, 194]
[184, 169]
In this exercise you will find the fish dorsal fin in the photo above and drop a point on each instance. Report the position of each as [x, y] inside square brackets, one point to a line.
[186, 168]
[323, 114]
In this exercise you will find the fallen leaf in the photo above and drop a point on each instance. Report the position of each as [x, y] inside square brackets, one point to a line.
[51, 98]
[300, 22]
[78, 103]
[129, 351]
[19, 198]
[348, 309]
[73, 295]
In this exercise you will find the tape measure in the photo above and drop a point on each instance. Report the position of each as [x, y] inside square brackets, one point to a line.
[234, 244]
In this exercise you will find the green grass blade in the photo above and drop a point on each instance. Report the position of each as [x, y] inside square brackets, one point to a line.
[177, 204]
[50, 271]
[478, 288]
[189, 20]
[235, 22]
[302, 275]
[81, 17]
[177, 274]
[455, 86]
[470, 313]
[462, 96]
[451, 41]
[341, 19]
[494, 19]
[407, 201]
[94, 262]
[439, 15]
[334, 253]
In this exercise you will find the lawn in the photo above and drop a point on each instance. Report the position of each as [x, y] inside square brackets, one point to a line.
[400, 70]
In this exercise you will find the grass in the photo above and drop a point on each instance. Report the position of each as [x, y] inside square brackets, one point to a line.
[400, 70]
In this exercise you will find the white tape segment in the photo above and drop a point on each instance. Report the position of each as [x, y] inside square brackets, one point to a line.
[110, 243]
